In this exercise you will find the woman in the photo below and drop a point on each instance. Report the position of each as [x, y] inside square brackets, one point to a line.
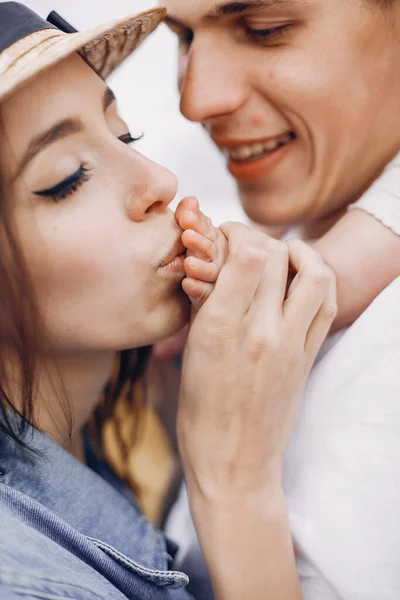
[91, 269]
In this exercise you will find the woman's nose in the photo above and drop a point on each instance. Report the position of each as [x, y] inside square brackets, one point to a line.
[152, 191]
[209, 82]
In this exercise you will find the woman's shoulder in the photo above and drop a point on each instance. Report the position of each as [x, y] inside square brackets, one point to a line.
[60, 518]
[32, 564]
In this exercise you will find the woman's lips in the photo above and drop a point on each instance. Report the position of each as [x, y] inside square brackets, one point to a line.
[173, 261]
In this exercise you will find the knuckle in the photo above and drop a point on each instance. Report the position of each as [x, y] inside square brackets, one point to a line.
[264, 343]
[330, 310]
[250, 256]
[277, 248]
[213, 270]
[295, 245]
[215, 323]
[321, 276]
[233, 230]
[257, 345]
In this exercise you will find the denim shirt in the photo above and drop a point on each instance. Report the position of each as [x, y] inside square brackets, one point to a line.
[66, 532]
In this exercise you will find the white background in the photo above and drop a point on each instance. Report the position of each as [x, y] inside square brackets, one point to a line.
[147, 96]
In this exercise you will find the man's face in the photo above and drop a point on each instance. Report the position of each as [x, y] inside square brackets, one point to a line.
[301, 95]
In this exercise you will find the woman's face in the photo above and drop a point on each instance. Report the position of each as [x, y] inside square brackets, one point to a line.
[92, 215]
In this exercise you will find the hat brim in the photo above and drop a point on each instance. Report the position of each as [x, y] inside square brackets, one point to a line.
[104, 48]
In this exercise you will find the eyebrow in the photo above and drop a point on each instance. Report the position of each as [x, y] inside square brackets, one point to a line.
[58, 131]
[226, 9]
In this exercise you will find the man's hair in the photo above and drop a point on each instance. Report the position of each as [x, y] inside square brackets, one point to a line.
[382, 4]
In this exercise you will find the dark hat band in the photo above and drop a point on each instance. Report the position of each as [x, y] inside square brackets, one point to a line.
[17, 22]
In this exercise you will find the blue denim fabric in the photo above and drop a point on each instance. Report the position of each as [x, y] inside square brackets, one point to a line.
[66, 532]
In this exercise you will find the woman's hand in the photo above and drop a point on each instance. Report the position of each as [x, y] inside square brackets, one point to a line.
[248, 355]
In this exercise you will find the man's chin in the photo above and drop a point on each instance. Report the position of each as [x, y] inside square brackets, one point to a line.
[273, 211]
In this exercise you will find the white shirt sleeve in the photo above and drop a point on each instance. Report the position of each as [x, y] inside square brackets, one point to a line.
[382, 199]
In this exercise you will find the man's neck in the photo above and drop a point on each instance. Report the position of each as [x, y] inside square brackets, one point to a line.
[316, 229]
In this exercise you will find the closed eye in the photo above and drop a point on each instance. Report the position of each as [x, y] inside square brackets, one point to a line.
[67, 186]
[73, 182]
[268, 35]
[184, 34]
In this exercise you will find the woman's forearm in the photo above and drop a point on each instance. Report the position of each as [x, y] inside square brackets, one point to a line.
[249, 351]
[247, 545]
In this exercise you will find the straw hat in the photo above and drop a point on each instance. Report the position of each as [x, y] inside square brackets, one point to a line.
[29, 44]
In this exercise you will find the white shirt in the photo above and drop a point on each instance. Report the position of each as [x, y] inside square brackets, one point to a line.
[342, 466]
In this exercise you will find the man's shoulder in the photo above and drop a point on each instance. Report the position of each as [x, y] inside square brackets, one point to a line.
[378, 326]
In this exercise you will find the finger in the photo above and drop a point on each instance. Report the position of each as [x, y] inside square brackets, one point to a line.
[309, 287]
[189, 204]
[200, 269]
[201, 246]
[197, 221]
[322, 323]
[269, 298]
[239, 277]
[198, 291]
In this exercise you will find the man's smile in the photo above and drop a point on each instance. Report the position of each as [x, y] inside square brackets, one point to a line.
[252, 160]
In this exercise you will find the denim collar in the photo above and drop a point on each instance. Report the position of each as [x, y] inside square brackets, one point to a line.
[82, 498]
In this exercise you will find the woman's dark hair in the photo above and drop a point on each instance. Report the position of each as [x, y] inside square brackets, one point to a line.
[20, 329]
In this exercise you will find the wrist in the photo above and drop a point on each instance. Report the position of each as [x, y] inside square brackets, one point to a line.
[267, 501]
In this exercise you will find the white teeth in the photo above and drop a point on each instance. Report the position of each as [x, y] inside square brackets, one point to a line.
[242, 153]
[246, 152]
[271, 145]
[258, 148]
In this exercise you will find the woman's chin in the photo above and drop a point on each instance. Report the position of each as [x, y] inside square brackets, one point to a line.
[177, 317]
[168, 322]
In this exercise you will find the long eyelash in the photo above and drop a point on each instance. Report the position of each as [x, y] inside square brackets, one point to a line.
[67, 187]
[71, 184]
[127, 138]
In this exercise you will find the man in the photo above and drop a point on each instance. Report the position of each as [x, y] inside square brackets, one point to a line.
[303, 96]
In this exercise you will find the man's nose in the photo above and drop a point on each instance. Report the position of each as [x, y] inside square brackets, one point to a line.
[211, 82]
[153, 188]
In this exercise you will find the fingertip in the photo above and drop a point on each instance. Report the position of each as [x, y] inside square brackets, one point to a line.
[192, 202]
[198, 291]
[188, 237]
[192, 287]
[202, 247]
[201, 270]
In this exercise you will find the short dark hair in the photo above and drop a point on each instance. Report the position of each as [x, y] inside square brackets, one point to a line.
[382, 4]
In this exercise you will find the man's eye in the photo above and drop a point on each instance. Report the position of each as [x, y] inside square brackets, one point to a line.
[185, 35]
[67, 186]
[269, 35]
[127, 138]
[186, 39]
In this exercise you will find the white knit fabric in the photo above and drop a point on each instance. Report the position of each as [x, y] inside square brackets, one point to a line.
[382, 199]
